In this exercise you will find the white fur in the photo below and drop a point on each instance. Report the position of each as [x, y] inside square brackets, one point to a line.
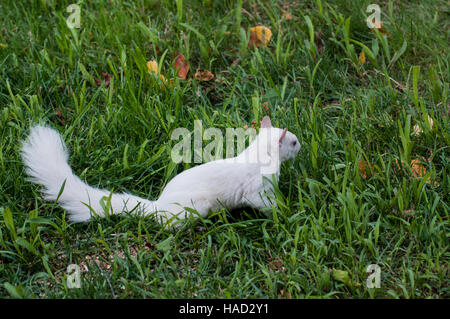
[231, 183]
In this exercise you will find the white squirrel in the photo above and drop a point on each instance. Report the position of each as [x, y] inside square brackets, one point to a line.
[230, 183]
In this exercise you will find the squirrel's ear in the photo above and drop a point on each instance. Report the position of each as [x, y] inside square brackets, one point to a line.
[282, 135]
[265, 122]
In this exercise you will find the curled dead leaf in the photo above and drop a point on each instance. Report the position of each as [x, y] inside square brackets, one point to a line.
[203, 75]
[365, 169]
[275, 263]
[286, 16]
[182, 66]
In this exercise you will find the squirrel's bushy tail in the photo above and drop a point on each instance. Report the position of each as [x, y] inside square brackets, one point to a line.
[46, 159]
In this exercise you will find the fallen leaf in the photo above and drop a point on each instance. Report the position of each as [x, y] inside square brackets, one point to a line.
[417, 168]
[379, 26]
[400, 87]
[60, 116]
[286, 294]
[409, 212]
[152, 66]
[259, 36]
[365, 169]
[182, 66]
[106, 79]
[286, 16]
[398, 164]
[319, 42]
[203, 75]
[266, 107]
[362, 58]
[275, 263]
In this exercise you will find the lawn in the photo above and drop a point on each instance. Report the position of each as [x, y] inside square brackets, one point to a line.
[369, 106]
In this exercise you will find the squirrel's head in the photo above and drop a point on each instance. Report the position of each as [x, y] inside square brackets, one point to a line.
[286, 142]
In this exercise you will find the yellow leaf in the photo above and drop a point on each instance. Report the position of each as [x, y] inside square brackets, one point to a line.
[152, 66]
[259, 36]
[362, 58]
[417, 168]
[418, 171]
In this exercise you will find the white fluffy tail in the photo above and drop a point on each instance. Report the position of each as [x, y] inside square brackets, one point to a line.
[46, 159]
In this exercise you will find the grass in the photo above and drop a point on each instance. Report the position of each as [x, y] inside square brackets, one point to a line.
[334, 218]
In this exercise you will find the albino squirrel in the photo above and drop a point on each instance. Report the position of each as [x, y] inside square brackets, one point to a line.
[229, 183]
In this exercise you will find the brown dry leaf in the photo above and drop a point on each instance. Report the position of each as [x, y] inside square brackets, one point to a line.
[286, 294]
[182, 66]
[362, 58]
[409, 212]
[365, 168]
[60, 116]
[106, 79]
[203, 75]
[398, 164]
[319, 42]
[286, 16]
[259, 36]
[275, 263]
[380, 29]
